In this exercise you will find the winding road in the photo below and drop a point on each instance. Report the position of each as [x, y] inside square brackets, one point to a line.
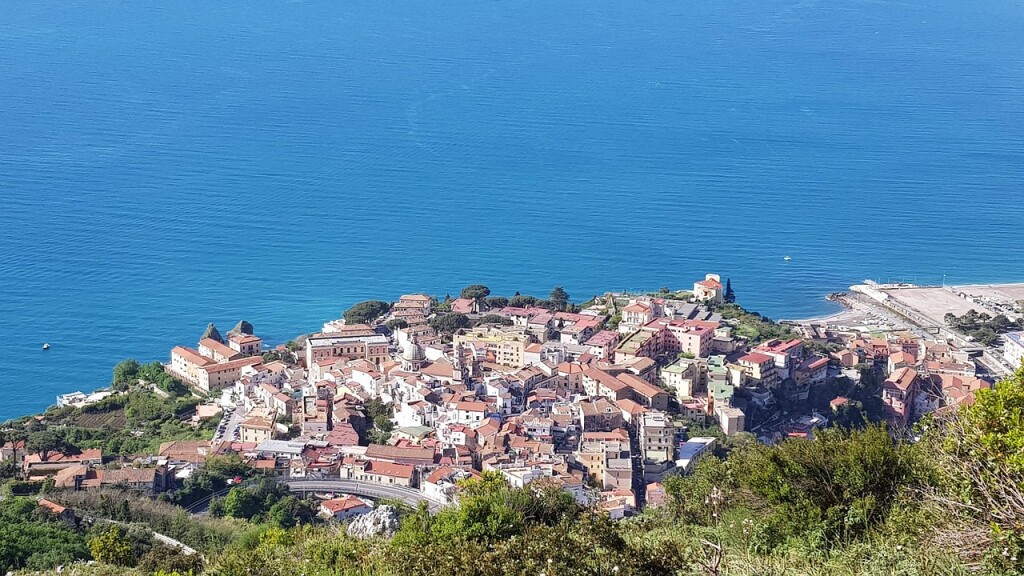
[409, 496]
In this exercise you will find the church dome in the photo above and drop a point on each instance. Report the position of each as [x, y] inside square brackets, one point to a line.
[413, 352]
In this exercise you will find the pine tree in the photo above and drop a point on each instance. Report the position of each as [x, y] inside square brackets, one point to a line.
[730, 296]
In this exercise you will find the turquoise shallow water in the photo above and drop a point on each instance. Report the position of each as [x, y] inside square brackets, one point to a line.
[163, 164]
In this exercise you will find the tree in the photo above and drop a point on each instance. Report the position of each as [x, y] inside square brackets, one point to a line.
[495, 319]
[475, 292]
[241, 503]
[47, 442]
[729, 295]
[980, 455]
[559, 298]
[216, 508]
[366, 312]
[449, 323]
[495, 302]
[850, 415]
[519, 301]
[167, 561]
[290, 511]
[112, 547]
[126, 373]
[837, 486]
[396, 323]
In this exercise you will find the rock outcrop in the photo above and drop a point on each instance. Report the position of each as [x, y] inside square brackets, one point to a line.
[383, 521]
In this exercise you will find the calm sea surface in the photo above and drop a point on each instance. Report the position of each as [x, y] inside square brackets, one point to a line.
[165, 164]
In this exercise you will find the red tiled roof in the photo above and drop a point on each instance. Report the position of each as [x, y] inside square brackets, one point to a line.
[389, 469]
[440, 369]
[232, 365]
[191, 355]
[603, 338]
[218, 347]
[244, 338]
[415, 298]
[779, 346]
[605, 379]
[757, 358]
[641, 386]
[903, 378]
[840, 401]
[394, 453]
[344, 503]
[52, 506]
[462, 305]
[617, 434]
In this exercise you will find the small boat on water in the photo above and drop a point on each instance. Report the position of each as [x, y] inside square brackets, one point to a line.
[787, 258]
[46, 346]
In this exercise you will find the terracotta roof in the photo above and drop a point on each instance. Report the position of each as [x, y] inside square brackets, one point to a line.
[56, 457]
[232, 365]
[779, 346]
[394, 453]
[342, 504]
[630, 407]
[903, 378]
[603, 338]
[258, 423]
[65, 478]
[192, 356]
[617, 434]
[605, 379]
[128, 475]
[244, 338]
[389, 469]
[52, 506]
[446, 471]
[415, 297]
[219, 348]
[440, 369]
[757, 358]
[462, 305]
[840, 401]
[641, 386]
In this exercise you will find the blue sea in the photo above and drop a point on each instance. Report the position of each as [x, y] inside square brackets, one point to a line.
[167, 164]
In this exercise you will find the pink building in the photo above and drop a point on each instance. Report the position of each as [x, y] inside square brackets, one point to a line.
[899, 392]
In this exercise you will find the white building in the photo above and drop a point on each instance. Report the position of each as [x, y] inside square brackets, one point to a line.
[344, 508]
[692, 451]
[1013, 349]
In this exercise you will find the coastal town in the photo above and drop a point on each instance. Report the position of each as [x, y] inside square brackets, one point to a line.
[606, 399]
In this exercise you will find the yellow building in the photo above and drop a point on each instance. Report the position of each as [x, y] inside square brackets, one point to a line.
[257, 427]
[507, 345]
[355, 341]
